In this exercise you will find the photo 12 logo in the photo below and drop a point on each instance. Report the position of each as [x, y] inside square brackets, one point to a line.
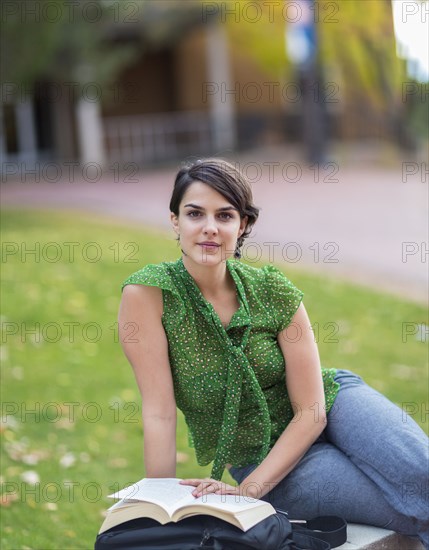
[69, 172]
[68, 252]
[411, 169]
[72, 11]
[270, 11]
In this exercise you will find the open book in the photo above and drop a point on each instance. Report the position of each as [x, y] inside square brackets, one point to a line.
[165, 500]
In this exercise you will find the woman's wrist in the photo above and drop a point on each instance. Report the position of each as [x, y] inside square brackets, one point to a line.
[250, 489]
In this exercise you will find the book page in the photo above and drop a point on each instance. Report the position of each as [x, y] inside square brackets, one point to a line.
[243, 512]
[166, 492]
[229, 503]
[122, 504]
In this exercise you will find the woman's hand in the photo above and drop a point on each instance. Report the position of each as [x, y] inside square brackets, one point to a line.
[209, 486]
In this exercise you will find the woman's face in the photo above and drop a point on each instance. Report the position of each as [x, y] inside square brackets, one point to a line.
[206, 216]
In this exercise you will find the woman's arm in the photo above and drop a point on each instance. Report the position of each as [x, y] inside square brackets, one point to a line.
[147, 351]
[305, 389]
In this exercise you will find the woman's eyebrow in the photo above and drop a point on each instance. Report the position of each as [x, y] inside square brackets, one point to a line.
[218, 210]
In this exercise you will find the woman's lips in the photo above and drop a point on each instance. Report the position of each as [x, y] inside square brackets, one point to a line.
[207, 245]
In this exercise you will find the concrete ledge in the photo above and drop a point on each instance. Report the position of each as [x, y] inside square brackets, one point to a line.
[365, 537]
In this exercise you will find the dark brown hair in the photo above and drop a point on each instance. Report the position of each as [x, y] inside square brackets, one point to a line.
[223, 177]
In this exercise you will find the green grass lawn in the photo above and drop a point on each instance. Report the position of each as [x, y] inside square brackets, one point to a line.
[70, 406]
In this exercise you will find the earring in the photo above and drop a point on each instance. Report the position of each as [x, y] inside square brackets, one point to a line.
[237, 252]
[178, 244]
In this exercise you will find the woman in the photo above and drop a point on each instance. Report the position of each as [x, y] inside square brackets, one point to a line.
[231, 345]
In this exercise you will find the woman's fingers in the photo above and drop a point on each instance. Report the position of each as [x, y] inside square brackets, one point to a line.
[209, 486]
[205, 487]
[201, 485]
[195, 481]
[190, 481]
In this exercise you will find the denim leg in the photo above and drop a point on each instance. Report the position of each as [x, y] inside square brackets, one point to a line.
[369, 466]
[326, 482]
[388, 446]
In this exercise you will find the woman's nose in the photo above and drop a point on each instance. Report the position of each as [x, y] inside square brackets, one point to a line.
[210, 226]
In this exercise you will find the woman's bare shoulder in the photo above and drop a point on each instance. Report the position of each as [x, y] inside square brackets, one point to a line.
[138, 296]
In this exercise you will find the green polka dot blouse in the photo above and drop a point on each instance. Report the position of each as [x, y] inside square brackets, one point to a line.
[229, 382]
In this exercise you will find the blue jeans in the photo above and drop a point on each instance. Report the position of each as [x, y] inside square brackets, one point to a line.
[370, 465]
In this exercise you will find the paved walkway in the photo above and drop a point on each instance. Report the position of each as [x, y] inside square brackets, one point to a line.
[358, 221]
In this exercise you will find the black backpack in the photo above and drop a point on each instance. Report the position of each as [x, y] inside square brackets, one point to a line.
[205, 532]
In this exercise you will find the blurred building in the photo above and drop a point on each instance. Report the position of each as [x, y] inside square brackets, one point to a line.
[187, 93]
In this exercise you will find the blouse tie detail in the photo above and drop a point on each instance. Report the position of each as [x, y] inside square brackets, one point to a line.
[239, 372]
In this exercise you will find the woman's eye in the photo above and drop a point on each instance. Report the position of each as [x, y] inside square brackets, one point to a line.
[222, 215]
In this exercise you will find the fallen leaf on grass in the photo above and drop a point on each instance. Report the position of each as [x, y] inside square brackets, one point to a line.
[34, 457]
[4, 353]
[7, 499]
[118, 463]
[17, 373]
[19, 452]
[13, 471]
[15, 449]
[65, 424]
[67, 460]
[31, 477]
[8, 422]
[51, 506]
[84, 457]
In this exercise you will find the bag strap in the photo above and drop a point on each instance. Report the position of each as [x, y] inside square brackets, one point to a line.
[330, 529]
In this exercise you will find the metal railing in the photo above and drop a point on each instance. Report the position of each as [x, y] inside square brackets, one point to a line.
[156, 137]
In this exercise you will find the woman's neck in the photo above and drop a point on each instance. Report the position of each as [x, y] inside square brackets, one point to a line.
[212, 280]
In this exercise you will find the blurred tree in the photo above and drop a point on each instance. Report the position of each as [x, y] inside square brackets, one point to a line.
[361, 48]
[56, 39]
[78, 40]
[357, 51]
